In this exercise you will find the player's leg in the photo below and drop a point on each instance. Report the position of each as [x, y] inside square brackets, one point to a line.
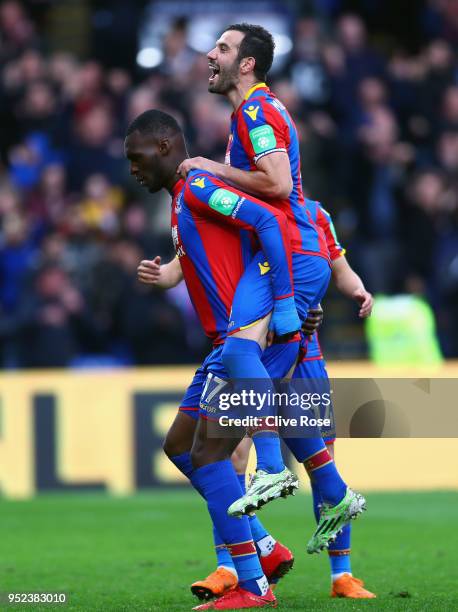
[312, 367]
[179, 439]
[340, 503]
[276, 559]
[224, 578]
[215, 478]
[243, 359]
[177, 446]
[344, 584]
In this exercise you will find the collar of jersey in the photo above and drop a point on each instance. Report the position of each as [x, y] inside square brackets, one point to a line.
[254, 88]
[177, 187]
[248, 95]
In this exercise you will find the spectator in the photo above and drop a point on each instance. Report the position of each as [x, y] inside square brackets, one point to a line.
[377, 115]
[53, 322]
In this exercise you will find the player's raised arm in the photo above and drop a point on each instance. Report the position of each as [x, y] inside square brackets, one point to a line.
[212, 198]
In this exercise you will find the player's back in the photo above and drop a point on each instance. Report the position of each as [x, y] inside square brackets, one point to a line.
[261, 126]
[213, 255]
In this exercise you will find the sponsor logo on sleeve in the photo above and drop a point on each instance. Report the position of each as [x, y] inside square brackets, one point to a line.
[277, 104]
[262, 138]
[263, 267]
[199, 182]
[178, 203]
[179, 250]
[251, 111]
[224, 201]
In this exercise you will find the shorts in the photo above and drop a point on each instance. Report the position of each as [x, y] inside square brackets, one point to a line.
[253, 297]
[276, 359]
[191, 400]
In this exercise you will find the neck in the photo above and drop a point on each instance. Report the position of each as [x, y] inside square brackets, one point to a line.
[172, 182]
[174, 177]
[237, 95]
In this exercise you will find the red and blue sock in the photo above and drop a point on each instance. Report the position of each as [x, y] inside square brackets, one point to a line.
[220, 486]
[339, 550]
[223, 556]
[312, 452]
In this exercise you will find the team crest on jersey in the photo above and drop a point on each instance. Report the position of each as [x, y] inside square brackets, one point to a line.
[199, 182]
[251, 111]
[264, 267]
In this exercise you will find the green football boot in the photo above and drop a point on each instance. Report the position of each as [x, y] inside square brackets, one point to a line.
[263, 488]
[333, 518]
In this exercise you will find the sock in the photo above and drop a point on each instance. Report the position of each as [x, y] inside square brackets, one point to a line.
[312, 452]
[220, 487]
[339, 554]
[263, 540]
[242, 359]
[183, 463]
[339, 550]
[323, 473]
[223, 556]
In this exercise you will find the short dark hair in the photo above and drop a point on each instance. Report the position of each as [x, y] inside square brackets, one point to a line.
[154, 122]
[257, 43]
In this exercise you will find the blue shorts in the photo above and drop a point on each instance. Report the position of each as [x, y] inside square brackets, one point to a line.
[276, 359]
[315, 370]
[253, 297]
[191, 400]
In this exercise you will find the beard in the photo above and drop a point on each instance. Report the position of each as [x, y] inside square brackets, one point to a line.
[226, 80]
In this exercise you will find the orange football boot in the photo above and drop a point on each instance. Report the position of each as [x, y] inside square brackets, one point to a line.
[353, 588]
[238, 599]
[219, 582]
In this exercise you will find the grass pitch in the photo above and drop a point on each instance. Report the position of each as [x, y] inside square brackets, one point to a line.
[142, 553]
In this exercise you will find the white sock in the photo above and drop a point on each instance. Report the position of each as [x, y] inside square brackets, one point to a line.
[229, 569]
[336, 576]
[266, 545]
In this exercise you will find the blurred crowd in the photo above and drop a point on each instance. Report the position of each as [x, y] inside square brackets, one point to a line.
[379, 139]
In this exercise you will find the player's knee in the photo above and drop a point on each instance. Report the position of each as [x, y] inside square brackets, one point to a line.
[230, 352]
[173, 447]
[206, 451]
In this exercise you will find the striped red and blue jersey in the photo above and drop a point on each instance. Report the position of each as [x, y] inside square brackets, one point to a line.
[209, 231]
[323, 219]
[261, 126]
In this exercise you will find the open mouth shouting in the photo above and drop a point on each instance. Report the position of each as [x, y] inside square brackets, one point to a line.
[214, 71]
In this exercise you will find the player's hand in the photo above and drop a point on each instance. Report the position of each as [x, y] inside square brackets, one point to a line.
[194, 163]
[365, 301]
[313, 320]
[285, 320]
[149, 271]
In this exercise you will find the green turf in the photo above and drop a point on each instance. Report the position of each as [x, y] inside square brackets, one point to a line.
[141, 553]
